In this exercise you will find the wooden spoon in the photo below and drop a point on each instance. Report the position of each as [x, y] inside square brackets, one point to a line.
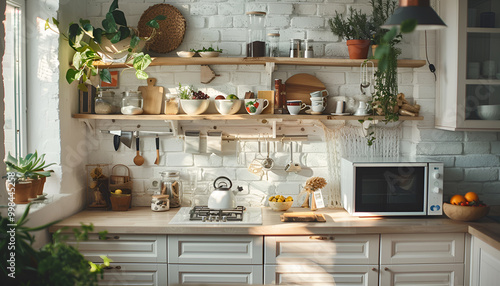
[157, 161]
[138, 159]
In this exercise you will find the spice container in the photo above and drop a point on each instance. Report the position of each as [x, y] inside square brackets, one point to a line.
[295, 48]
[308, 48]
[256, 44]
[171, 185]
[160, 203]
[172, 104]
[132, 102]
[107, 103]
[273, 49]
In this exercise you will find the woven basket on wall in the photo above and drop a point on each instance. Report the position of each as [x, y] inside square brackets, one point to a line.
[171, 31]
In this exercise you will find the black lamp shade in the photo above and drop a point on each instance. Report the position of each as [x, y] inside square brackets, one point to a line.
[427, 18]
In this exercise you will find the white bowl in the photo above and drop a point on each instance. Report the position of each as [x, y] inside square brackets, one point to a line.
[280, 206]
[228, 106]
[489, 112]
[185, 54]
[209, 54]
[194, 106]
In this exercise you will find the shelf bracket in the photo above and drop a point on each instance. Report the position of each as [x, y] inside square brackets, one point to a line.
[89, 125]
[273, 123]
[174, 127]
[270, 68]
[366, 125]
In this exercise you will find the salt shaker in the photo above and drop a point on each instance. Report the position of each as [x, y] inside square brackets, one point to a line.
[308, 48]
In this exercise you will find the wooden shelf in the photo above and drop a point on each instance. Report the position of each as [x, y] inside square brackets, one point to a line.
[235, 117]
[483, 30]
[176, 61]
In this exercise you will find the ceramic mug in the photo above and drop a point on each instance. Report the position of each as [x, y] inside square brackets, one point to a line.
[339, 109]
[256, 105]
[295, 106]
[319, 93]
[319, 101]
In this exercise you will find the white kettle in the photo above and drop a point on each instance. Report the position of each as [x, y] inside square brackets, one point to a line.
[222, 198]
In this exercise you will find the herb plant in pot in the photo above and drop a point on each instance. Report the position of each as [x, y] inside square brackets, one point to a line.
[357, 29]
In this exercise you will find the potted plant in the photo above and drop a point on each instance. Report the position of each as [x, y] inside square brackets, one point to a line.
[357, 29]
[382, 10]
[113, 41]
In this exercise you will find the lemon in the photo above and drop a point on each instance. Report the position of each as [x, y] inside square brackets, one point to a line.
[118, 192]
[289, 199]
[271, 198]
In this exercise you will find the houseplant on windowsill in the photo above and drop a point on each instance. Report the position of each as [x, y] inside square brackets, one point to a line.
[357, 29]
[113, 41]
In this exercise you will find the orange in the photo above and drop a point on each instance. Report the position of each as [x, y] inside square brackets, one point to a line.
[457, 199]
[471, 196]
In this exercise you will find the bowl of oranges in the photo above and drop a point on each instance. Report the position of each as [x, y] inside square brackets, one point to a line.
[280, 203]
[465, 208]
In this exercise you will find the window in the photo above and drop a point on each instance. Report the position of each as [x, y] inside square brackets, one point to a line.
[14, 74]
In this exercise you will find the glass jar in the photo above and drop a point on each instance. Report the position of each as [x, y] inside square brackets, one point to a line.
[107, 103]
[171, 185]
[256, 44]
[132, 102]
[172, 104]
[295, 48]
[308, 48]
[273, 49]
[160, 203]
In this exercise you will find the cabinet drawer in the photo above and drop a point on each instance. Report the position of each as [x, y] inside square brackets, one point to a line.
[135, 274]
[422, 248]
[328, 250]
[214, 274]
[422, 274]
[124, 248]
[215, 249]
[353, 275]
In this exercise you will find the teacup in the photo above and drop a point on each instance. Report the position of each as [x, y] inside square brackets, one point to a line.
[318, 100]
[255, 106]
[319, 93]
[295, 106]
[317, 108]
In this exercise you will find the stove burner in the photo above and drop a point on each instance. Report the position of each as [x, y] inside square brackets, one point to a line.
[204, 214]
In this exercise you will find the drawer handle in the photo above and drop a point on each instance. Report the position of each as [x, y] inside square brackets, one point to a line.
[322, 237]
[116, 237]
[387, 269]
[374, 269]
[111, 267]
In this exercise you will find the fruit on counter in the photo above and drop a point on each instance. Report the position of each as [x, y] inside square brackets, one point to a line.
[469, 199]
[232, 96]
[471, 196]
[220, 97]
[280, 198]
[118, 192]
[457, 200]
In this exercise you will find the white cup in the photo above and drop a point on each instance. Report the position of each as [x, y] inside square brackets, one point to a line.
[489, 68]
[473, 70]
[339, 109]
[295, 108]
[317, 108]
[256, 105]
[319, 93]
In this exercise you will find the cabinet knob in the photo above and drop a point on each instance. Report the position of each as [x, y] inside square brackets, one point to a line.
[387, 269]
[322, 237]
[374, 269]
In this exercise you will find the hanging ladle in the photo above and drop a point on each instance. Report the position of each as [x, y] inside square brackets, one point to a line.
[268, 163]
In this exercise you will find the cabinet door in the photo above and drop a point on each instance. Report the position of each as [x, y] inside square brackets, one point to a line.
[328, 250]
[422, 275]
[124, 248]
[422, 248]
[485, 264]
[339, 275]
[214, 274]
[215, 249]
[135, 274]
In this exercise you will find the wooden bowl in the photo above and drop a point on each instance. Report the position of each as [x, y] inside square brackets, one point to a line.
[465, 213]
[280, 206]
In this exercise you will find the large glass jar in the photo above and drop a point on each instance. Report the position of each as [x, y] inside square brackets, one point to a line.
[172, 104]
[171, 185]
[295, 50]
[256, 44]
[107, 103]
[273, 49]
[132, 102]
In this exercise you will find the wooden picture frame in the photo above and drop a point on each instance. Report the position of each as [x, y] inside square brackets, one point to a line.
[114, 81]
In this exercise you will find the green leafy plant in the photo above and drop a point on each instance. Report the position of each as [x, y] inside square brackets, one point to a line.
[87, 42]
[56, 263]
[357, 25]
[30, 166]
[382, 10]
[188, 92]
[210, 49]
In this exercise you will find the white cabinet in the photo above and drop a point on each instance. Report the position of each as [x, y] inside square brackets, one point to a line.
[485, 264]
[422, 275]
[468, 61]
[135, 274]
[214, 274]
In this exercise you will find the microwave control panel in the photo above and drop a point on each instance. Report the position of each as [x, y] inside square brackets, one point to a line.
[435, 189]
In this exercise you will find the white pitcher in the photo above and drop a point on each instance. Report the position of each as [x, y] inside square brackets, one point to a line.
[362, 108]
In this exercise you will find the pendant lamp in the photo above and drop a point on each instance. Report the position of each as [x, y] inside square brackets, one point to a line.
[420, 10]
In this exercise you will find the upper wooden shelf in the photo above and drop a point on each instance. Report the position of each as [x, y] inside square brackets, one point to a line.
[235, 117]
[176, 61]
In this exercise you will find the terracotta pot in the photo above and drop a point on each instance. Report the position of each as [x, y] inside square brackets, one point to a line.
[35, 186]
[42, 184]
[21, 191]
[358, 49]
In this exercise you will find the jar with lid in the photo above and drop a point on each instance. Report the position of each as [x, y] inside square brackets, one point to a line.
[107, 103]
[308, 48]
[160, 203]
[132, 102]
[273, 49]
[295, 50]
[256, 44]
[171, 185]
[172, 104]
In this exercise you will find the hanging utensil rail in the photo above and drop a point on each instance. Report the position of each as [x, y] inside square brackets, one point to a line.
[140, 133]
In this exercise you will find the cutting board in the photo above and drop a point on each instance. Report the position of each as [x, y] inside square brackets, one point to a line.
[299, 87]
[152, 96]
[269, 95]
[302, 217]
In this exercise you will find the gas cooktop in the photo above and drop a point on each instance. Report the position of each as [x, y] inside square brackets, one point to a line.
[205, 216]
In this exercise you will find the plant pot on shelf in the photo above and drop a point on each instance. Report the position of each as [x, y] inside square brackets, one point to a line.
[21, 191]
[358, 49]
[118, 52]
[36, 184]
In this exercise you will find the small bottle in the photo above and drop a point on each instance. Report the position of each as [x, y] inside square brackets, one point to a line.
[308, 48]
[132, 102]
[273, 49]
[172, 104]
[295, 48]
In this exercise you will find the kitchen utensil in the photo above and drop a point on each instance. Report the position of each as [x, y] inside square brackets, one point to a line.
[302, 217]
[366, 77]
[138, 159]
[126, 138]
[116, 142]
[269, 95]
[157, 161]
[300, 86]
[292, 167]
[223, 197]
[268, 163]
[152, 96]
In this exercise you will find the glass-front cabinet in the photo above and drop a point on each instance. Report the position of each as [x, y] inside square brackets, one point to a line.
[468, 92]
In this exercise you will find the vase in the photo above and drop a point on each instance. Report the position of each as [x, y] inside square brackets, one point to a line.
[20, 190]
[358, 49]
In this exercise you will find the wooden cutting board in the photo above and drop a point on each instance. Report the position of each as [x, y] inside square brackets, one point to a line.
[299, 87]
[302, 217]
[269, 95]
[153, 97]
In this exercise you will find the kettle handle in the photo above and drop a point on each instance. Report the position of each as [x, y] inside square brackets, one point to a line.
[222, 177]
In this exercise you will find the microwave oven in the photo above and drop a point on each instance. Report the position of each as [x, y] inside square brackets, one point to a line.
[391, 186]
